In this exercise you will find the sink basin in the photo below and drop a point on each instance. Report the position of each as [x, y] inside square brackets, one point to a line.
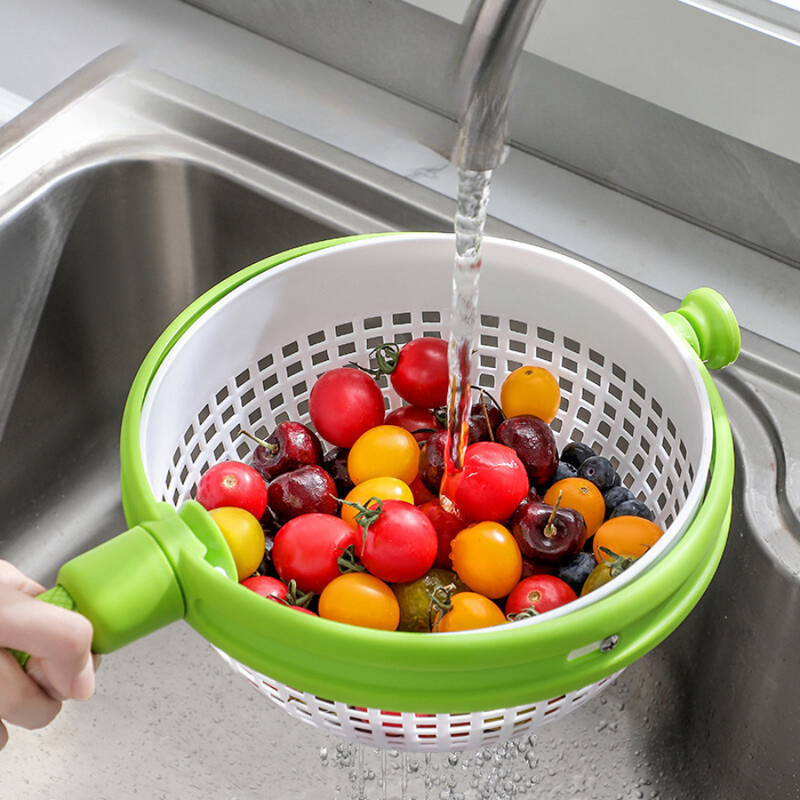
[123, 196]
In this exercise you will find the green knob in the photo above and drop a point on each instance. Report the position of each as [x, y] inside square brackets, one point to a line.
[707, 322]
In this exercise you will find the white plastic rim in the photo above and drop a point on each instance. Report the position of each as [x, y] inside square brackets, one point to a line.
[630, 387]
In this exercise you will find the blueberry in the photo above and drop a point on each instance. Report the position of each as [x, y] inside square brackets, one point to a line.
[577, 570]
[575, 453]
[599, 470]
[563, 470]
[632, 508]
[615, 496]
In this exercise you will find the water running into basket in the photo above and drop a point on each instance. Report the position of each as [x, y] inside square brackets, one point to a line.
[470, 220]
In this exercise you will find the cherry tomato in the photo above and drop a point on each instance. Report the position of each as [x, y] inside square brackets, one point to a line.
[380, 488]
[244, 536]
[540, 593]
[357, 598]
[267, 586]
[307, 550]
[421, 376]
[530, 390]
[399, 544]
[491, 485]
[384, 451]
[582, 496]
[344, 403]
[232, 483]
[470, 611]
[447, 528]
[419, 422]
[605, 571]
[487, 558]
[421, 492]
[625, 536]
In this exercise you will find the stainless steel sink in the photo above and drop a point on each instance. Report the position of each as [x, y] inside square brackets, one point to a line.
[122, 197]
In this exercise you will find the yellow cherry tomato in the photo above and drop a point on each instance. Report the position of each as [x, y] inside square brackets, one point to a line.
[487, 558]
[582, 496]
[244, 536]
[625, 536]
[470, 611]
[384, 488]
[357, 598]
[385, 450]
[530, 390]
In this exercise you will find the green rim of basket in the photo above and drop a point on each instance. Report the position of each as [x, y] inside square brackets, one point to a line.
[427, 673]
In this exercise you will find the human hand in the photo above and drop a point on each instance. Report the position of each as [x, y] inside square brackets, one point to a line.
[61, 666]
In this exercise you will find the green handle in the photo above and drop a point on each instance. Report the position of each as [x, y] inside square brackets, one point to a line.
[58, 596]
[127, 587]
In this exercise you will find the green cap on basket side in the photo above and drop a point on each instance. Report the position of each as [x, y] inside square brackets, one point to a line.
[707, 322]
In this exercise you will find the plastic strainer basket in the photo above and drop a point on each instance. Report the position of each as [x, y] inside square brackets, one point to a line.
[245, 356]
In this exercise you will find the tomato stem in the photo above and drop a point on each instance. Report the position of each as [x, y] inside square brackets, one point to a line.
[348, 561]
[386, 357]
[616, 563]
[442, 605]
[366, 515]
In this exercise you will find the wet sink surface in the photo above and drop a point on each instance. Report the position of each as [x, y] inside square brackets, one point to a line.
[137, 223]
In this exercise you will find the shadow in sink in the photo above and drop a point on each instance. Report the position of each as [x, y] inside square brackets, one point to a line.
[148, 238]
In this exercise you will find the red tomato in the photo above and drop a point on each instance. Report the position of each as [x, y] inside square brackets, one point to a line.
[267, 586]
[343, 404]
[421, 376]
[420, 422]
[491, 485]
[447, 527]
[232, 483]
[307, 549]
[540, 593]
[400, 545]
[421, 492]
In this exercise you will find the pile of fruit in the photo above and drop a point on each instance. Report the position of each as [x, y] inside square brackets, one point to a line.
[377, 532]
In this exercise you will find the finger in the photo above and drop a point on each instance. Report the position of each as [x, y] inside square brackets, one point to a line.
[22, 701]
[3, 735]
[10, 576]
[59, 639]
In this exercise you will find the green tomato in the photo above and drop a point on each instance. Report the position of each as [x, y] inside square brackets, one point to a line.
[417, 609]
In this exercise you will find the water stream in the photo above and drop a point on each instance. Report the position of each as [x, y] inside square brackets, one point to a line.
[470, 221]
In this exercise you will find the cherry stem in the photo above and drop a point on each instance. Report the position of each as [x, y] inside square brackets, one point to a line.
[272, 448]
[550, 529]
[486, 414]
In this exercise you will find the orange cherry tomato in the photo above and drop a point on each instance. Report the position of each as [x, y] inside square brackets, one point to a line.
[385, 450]
[582, 496]
[631, 537]
[357, 598]
[470, 611]
[244, 536]
[487, 558]
[530, 390]
[385, 488]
